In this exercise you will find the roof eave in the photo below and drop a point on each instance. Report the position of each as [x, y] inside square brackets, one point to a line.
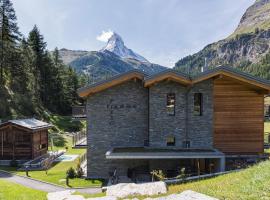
[230, 72]
[115, 80]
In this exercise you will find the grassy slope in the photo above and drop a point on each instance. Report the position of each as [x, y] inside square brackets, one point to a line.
[65, 123]
[249, 184]
[12, 191]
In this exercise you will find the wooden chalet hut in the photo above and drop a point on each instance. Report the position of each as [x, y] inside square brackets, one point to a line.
[23, 139]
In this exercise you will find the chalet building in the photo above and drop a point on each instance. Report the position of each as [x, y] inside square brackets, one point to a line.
[23, 139]
[167, 121]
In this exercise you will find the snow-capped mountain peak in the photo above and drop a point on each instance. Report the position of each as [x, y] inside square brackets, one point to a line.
[116, 45]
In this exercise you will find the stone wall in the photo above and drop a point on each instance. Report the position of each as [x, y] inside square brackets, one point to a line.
[116, 117]
[161, 125]
[200, 128]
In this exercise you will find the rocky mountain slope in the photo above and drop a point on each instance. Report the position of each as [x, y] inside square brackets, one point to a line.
[247, 46]
[112, 59]
[256, 16]
[116, 45]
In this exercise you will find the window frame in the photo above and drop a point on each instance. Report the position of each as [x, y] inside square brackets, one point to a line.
[170, 104]
[198, 112]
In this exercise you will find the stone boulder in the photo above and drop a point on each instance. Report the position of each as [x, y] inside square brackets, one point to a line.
[123, 190]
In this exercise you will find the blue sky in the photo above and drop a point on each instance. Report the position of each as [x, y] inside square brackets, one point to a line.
[162, 31]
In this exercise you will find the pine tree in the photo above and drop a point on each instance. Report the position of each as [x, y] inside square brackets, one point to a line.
[38, 47]
[9, 36]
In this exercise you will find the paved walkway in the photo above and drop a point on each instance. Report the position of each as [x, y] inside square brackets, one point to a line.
[38, 185]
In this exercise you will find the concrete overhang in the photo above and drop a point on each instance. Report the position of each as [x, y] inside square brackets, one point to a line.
[156, 153]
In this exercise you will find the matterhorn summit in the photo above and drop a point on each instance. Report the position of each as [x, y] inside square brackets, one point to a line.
[116, 45]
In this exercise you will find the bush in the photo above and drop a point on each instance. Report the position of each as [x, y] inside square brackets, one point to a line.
[13, 163]
[79, 171]
[71, 173]
[158, 174]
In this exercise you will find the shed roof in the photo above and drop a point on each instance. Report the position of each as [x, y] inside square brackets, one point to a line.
[32, 123]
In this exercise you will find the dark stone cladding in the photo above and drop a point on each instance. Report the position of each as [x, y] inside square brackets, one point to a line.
[117, 117]
[161, 125]
[200, 128]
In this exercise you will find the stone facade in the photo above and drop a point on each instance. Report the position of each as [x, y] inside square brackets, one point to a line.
[117, 117]
[161, 124]
[128, 114]
[200, 128]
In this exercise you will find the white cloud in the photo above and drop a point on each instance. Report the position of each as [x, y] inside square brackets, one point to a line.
[104, 36]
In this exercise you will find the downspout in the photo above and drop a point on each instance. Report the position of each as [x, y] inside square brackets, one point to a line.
[187, 109]
[148, 118]
[187, 114]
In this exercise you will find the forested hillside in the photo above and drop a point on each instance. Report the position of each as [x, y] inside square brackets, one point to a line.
[32, 80]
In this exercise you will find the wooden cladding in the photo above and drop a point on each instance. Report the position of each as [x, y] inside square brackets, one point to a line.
[238, 117]
[20, 143]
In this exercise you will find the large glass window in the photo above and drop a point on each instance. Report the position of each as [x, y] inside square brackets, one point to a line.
[198, 102]
[171, 104]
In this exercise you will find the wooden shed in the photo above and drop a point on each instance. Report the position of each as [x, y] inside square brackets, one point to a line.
[23, 139]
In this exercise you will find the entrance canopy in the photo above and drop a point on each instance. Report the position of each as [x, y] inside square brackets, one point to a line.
[160, 153]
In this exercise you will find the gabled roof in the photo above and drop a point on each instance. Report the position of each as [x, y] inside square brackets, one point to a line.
[168, 74]
[232, 73]
[176, 76]
[32, 124]
[115, 80]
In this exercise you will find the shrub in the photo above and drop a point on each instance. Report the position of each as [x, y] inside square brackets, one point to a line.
[158, 174]
[182, 173]
[79, 171]
[13, 163]
[71, 173]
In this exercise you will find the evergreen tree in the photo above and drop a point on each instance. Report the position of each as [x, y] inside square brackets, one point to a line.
[9, 36]
[38, 47]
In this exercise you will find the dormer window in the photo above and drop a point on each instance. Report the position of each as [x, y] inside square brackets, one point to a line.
[171, 104]
[198, 108]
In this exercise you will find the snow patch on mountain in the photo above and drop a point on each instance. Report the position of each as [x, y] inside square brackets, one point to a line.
[116, 45]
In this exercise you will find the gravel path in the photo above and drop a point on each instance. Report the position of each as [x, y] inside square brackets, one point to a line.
[38, 185]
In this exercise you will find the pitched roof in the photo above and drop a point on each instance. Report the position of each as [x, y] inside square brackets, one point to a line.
[176, 76]
[233, 73]
[167, 74]
[32, 123]
[115, 80]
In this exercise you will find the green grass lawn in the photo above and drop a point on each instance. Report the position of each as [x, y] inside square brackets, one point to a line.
[13, 191]
[250, 184]
[57, 173]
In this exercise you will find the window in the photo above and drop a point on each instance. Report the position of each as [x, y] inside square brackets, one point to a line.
[198, 98]
[186, 144]
[171, 104]
[170, 140]
[43, 146]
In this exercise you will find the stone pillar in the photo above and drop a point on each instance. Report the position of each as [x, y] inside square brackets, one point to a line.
[222, 163]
